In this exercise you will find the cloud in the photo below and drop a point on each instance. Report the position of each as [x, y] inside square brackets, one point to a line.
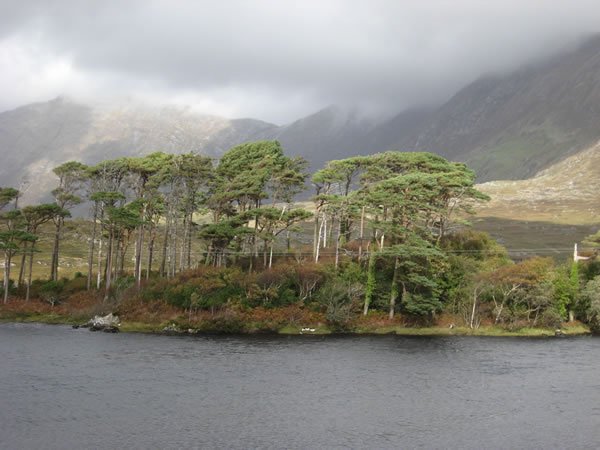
[274, 60]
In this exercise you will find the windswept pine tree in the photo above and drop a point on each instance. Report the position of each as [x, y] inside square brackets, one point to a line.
[71, 176]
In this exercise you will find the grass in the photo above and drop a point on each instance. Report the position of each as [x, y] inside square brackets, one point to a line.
[379, 328]
[294, 329]
[27, 317]
[505, 160]
[482, 331]
[528, 238]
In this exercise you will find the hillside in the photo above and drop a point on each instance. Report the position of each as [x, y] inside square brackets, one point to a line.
[511, 126]
[35, 138]
[566, 192]
[546, 214]
[504, 126]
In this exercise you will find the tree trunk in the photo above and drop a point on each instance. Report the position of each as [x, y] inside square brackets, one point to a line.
[163, 259]
[318, 249]
[6, 283]
[55, 249]
[337, 244]
[119, 258]
[316, 235]
[265, 251]
[394, 291]
[29, 273]
[109, 264]
[23, 261]
[271, 255]
[150, 256]
[189, 242]
[91, 250]
[370, 283]
[138, 255]
[473, 309]
[174, 245]
[362, 233]
[99, 277]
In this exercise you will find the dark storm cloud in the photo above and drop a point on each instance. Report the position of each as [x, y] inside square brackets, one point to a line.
[279, 59]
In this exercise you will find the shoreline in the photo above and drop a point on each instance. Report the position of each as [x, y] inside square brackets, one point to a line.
[569, 330]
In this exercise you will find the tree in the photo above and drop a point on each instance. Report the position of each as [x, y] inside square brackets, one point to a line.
[219, 236]
[512, 288]
[590, 303]
[71, 176]
[12, 240]
[141, 170]
[195, 173]
[11, 237]
[7, 195]
[472, 256]
[334, 200]
[35, 216]
[399, 204]
[271, 222]
[120, 222]
[107, 176]
[247, 175]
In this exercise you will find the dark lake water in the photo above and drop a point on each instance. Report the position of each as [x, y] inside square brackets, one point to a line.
[62, 388]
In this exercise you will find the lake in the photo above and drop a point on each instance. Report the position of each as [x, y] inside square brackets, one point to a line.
[62, 388]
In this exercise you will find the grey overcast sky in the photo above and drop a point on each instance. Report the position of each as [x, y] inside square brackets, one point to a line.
[274, 59]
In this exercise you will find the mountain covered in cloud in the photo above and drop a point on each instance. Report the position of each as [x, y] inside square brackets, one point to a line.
[37, 137]
[512, 126]
[507, 126]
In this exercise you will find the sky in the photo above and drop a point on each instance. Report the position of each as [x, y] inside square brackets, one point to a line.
[275, 60]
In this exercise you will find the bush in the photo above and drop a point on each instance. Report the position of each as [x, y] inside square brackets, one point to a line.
[11, 287]
[203, 288]
[550, 318]
[339, 300]
[422, 306]
[271, 288]
[590, 303]
[52, 291]
[307, 279]
[224, 323]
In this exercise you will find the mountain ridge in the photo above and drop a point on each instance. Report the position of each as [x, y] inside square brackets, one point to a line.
[509, 126]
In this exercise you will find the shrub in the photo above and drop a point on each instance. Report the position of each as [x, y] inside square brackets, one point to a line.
[590, 303]
[271, 288]
[11, 287]
[421, 305]
[52, 291]
[339, 299]
[307, 279]
[550, 318]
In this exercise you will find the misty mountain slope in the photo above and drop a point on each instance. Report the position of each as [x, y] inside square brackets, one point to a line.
[331, 133]
[505, 127]
[38, 137]
[514, 125]
[566, 192]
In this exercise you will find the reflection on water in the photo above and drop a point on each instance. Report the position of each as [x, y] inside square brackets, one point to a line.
[63, 388]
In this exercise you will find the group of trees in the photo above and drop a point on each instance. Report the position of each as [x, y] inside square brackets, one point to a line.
[390, 228]
[139, 202]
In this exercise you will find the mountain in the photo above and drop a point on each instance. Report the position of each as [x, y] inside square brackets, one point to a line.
[507, 126]
[545, 215]
[332, 133]
[511, 126]
[37, 137]
[566, 192]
